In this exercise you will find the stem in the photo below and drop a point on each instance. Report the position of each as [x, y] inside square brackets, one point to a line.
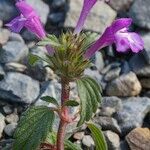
[64, 111]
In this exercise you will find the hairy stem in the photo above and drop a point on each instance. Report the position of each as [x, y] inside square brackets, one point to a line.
[64, 112]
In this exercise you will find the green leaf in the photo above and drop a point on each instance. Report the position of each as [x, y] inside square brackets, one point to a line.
[50, 100]
[90, 95]
[32, 59]
[98, 137]
[33, 128]
[72, 103]
[71, 146]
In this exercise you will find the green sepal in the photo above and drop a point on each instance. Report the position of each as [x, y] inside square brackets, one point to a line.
[33, 128]
[98, 137]
[90, 96]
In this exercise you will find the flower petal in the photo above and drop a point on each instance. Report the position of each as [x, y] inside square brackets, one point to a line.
[17, 24]
[34, 25]
[87, 6]
[25, 9]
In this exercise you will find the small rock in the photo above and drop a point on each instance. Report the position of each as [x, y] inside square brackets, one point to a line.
[125, 85]
[12, 118]
[16, 67]
[2, 124]
[58, 4]
[8, 109]
[99, 61]
[8, 10]
[145, 83]
[57, 17]
[112, 74]
[146, 52]
[132, 114]
[88, 141]
[110, 66]
[4, 36]
[139, 139]
[16, 37]
[139, 65]
[13, 51]
[17, 87]
[2, 73]
[108, 123]
[141, 17]
[1, 23]
[121, 5]
[100, 16]
[10, 128]
[78, 135]
[125, 68]
[110, 105]
[112, 140]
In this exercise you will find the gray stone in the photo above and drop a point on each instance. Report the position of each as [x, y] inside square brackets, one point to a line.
[139, 139]
[141, 16]
[2, 124]
[10, 128]
[99, 18]
[58, 4]
[108, 123]
[2, 73]
[12, 118]
[112, 74]
[133, 113]
[16, 37]
[99, 61]
[7, 109]
[139, 65]
[16, 67]
[88, 141]
[121, 5]
[112, 139]
[7, 9]
[110, 66]
[145, 82]
[18, 87]
[78, 135]
[146, 52]
[57, 17]
[125, 68]
[110, 105]
[1, 23]
[4, 36]
[125, 85]
[13, 51]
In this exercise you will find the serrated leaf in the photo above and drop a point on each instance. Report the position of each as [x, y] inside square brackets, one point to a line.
[72, 103]
[98, 137]
[90, 95]
[33, 128]
[50, 100]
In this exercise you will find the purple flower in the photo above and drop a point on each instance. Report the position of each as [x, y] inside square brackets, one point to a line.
[29, 19]
[118, 33]
[87, 6]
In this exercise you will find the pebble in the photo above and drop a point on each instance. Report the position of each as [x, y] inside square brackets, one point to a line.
[125, 85]
[2, 124]
[88, 141]
[4, 36]
[139, 139]
[12, 118]
[112, 140]
[8, 109]
[10, 128]
[78, 135]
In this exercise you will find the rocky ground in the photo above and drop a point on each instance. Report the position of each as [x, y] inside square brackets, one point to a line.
[125, 78]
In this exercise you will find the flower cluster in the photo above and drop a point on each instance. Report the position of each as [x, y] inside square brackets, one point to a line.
[116, 33]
